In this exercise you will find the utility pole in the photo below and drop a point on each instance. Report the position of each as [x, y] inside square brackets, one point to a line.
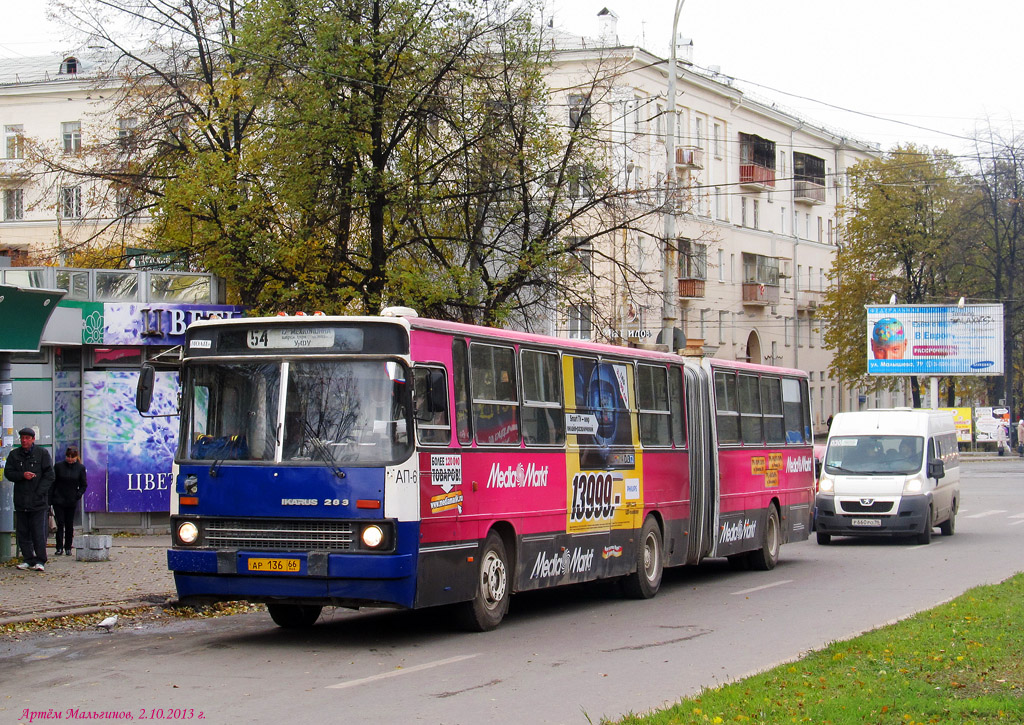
[670, 291]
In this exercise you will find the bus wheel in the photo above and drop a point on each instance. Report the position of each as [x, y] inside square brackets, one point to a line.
[765, 558]
[646, 580]
[294, 616]
[925, 537]
[490, 604]
[948, 527]
[824, 538]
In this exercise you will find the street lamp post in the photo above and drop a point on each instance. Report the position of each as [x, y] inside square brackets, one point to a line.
[669, 287]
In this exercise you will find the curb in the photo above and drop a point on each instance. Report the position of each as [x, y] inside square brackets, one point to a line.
[93, 609]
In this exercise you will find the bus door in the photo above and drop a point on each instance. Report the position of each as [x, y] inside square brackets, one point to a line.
[703, 481]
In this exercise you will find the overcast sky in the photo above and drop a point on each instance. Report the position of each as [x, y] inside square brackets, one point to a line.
[941, 65]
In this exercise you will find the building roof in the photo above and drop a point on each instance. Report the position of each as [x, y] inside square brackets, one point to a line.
[49, 68]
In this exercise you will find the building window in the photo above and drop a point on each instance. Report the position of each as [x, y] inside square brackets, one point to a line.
[821, 231]
[580, 183]
[14, 204]
[126, 130]
[782, 221]
[693, 260]
[699, 125]
[718, 141]
[757, 268]
[71, 132]
[579, 322]
[579, 111]
[743, 211]
[785, 276]
[757, 214]
[71, 202]
[583, 253]
[659, 115]
[14, 137]
[721, 265]
[785, 332]
[69, 66]
[721, 327]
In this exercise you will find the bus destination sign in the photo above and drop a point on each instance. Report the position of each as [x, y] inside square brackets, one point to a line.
[288, 338]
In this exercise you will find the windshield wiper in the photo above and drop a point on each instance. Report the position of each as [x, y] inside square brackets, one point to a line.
[325, 454]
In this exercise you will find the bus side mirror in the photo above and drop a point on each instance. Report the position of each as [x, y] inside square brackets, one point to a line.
[936, 469]
[144, 391]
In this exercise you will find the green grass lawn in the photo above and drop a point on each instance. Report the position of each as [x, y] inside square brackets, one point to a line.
[961, 662]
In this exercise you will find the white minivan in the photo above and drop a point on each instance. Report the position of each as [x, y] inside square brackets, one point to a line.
[893, 472]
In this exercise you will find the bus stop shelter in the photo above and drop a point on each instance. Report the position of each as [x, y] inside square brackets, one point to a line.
[24, 312]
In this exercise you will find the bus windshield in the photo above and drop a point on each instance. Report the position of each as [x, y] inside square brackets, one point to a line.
[875, 454]
[335, 412]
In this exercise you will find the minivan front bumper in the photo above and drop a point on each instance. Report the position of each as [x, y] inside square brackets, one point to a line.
[909, 518]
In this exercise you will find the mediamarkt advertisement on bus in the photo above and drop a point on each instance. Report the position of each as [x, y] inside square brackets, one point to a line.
[935, 339]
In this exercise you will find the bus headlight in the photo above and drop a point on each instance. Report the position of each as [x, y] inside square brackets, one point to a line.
[188, 532]
[373, 536]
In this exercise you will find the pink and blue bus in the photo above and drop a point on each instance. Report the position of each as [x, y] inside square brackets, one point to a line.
[404, 462]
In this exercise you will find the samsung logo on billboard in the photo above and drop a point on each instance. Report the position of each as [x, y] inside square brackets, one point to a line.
[982, 364]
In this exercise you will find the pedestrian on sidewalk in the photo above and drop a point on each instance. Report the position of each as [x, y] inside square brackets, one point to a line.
[31, 470]
[68, 486]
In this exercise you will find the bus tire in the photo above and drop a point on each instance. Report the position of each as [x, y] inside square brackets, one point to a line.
[646, 580]
[925, 537]
[948, 527]
[765, 558]
[294, 616]
[493, 589]
[823, 538]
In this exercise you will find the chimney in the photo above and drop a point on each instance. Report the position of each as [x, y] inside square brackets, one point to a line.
[607, 26]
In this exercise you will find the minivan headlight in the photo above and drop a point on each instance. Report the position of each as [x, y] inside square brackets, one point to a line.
[826, 484]
[913, 485]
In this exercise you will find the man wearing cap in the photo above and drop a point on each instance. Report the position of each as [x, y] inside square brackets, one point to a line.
[31, 470]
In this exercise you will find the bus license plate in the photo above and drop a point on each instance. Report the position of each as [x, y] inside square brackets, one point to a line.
[275, 565]
[866, 522]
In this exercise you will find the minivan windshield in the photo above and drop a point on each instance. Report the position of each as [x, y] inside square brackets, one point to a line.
[874, 454]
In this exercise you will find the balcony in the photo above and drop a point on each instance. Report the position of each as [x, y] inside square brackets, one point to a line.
[808, 192]
[691, 288]
[809, 300]
[760, 295]
[690, 157]
[13, 169]
[757, 176]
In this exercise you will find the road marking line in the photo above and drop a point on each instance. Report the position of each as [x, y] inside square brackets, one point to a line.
[987, 513]
[766, 586]
[1017, 516]
[403, 671]
[1017, 523]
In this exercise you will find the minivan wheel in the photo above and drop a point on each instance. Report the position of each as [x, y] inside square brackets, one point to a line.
[823, 538]
[948, 527]
[925, 537]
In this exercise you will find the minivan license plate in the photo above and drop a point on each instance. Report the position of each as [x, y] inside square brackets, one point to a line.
[866, 522]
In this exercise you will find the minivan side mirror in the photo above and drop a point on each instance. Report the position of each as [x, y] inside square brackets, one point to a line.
[144, 391]
[936, 469]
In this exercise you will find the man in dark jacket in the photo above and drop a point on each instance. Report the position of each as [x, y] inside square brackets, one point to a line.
[31, 470]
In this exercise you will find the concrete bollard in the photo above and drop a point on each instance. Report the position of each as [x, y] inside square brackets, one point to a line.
[93, 547]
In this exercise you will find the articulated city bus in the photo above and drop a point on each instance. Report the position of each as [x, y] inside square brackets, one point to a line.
[406, 462]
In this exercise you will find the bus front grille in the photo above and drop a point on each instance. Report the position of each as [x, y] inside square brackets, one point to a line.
[290, 535]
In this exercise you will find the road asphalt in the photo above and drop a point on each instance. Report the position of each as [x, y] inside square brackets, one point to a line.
[136, 575]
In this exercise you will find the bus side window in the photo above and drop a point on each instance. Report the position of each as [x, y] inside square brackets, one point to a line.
[495, 396]
[678, 405]
[771, 406]
[543, 415]
[653, 403]
[460, 379]
[432, 406]
[792, 410]
[727, 408]
[750, 411]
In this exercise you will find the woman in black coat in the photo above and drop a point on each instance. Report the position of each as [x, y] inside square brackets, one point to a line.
[67, 491]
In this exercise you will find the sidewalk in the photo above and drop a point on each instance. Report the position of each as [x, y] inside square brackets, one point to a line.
[135, 575]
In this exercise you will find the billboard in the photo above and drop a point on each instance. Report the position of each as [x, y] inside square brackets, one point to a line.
[935, 339]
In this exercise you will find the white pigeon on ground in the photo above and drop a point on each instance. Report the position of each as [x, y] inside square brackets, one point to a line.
[108, 624]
